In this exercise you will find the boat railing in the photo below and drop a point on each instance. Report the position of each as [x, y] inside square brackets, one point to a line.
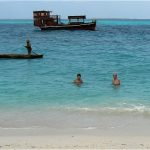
[54, 16]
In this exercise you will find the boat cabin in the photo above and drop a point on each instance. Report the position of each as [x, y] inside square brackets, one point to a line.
[76, 19]
[44, 18]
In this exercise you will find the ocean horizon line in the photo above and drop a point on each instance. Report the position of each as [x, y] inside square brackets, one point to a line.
[86, 19]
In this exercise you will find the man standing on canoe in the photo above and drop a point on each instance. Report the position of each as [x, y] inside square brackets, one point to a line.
[28, 46]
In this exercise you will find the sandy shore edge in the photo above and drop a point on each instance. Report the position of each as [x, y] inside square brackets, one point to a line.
[74, 142]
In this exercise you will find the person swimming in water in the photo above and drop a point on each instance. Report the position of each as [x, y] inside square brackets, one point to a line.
[115, 81]
[28, 47]
[78, 80]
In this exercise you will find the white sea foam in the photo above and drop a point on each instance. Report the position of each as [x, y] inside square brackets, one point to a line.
[132, 108]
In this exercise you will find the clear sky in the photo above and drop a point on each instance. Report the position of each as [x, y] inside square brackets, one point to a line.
[92, 9]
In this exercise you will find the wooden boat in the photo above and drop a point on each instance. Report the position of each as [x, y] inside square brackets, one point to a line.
[45, 21]
[20, 56]
[89, 26]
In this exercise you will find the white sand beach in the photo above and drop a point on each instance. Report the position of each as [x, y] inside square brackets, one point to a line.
[75, 142]
[134, 135]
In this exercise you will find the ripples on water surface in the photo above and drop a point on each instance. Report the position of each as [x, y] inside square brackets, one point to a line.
[121, 46]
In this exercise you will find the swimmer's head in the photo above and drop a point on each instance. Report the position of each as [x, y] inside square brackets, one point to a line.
[115, 76]
[78, 75]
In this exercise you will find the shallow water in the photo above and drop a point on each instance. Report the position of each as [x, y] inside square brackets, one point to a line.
[120, 46]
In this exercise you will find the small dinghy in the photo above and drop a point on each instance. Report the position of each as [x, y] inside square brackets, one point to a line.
[21, 56]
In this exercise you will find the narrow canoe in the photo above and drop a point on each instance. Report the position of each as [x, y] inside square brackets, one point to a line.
[20, 56]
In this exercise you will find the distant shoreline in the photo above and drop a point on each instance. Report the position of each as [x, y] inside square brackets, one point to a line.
[87, 19]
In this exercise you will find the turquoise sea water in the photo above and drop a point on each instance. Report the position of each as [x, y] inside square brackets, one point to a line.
[121, 46]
